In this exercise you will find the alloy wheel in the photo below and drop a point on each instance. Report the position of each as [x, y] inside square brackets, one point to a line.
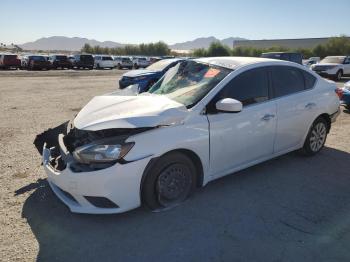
[318, 137]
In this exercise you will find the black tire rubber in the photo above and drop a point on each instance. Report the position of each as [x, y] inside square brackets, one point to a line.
[149, 191]
[339, 75]
[306, 149]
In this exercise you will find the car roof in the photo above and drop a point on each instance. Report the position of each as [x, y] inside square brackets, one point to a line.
[233, 62]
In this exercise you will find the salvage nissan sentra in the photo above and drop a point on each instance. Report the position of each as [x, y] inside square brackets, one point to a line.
[205, 118]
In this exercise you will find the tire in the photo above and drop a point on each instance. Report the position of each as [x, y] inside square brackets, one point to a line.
[316, 137]
[169, 181]
[339, 75]
[135, 66]
[98, 66]
[119, 66]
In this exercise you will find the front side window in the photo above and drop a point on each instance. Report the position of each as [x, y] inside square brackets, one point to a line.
[250, 87]
[189, 81]
[286, 80]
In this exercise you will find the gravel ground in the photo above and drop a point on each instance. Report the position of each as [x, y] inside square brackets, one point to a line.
[288, 209]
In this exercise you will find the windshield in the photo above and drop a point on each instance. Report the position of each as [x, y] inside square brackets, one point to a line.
[126, 60]
[38, 58]
[160, 65]
[189, 81]
[107, 58]
[10, 56]
[333, 59]
[61, 57]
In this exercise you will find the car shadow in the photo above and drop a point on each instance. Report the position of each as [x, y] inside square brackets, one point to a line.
[290, 208]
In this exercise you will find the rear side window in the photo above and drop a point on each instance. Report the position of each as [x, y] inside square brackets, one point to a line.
[250, 87]
[287, 80]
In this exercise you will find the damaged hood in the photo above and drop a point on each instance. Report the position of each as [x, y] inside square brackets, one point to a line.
[111, 111]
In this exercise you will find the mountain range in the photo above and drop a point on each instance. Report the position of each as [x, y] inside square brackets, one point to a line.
[76, 43]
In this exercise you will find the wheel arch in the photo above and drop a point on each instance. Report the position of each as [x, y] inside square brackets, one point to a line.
[327, 118]
[189, 153]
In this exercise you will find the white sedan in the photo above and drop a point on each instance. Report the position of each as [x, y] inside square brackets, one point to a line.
[204, 119]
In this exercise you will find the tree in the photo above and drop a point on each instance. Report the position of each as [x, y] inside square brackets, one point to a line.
[218, 49]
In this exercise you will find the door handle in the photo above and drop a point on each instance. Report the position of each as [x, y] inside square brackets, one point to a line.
[310, 105]
[267, 117]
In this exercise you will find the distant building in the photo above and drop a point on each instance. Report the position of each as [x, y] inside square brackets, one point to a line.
[287, 43]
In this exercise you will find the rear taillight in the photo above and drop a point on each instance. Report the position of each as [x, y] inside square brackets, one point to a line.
[339, 92]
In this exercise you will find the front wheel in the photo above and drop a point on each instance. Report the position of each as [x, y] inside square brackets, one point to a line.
[339, 75]
[169, 181]
[316, 137]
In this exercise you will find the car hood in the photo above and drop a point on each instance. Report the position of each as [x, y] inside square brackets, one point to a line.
[327, 64]
[112, 111]
[140, 72]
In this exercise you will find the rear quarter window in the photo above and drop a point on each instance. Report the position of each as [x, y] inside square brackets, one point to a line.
[310, 80]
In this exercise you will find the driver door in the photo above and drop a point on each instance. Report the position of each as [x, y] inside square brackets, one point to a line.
[240, 139]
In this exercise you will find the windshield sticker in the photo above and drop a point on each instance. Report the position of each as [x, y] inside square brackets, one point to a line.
[212, 72]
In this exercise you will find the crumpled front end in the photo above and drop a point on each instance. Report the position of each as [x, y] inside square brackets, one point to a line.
[95, 188]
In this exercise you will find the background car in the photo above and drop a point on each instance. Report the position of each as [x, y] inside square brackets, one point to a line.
[8, 61]
[103, 61]
[286, 56]
[122, 62]
[140, 62]
[344, 95]
[60, 61]
[334, 67]
[145, 78]
[82, 61]
[33, 62]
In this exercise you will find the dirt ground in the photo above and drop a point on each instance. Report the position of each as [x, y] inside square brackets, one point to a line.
[288, 209]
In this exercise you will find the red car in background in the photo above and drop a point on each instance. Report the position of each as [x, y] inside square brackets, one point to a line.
[8, 61]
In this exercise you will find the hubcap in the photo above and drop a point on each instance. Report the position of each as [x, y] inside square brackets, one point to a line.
[173, 185]
[318, 137]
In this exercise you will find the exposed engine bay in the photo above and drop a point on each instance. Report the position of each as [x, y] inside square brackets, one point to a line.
[64, 139]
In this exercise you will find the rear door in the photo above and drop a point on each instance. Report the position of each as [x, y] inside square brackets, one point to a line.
[237, 139]
[296, 105]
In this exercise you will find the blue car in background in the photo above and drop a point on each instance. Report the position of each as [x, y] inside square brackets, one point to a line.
[145, 78]
[344, 95]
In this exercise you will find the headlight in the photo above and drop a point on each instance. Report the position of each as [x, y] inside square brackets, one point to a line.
[101, 152]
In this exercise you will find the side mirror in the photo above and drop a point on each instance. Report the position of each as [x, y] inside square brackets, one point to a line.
[229, 105]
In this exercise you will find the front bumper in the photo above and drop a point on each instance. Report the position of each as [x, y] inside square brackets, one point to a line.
[119, 183]
[327, 73]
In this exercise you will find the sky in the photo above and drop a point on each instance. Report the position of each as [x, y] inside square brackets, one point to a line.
[144, 21]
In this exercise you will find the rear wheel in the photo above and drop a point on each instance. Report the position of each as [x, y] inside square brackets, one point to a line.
[316, 137]
[169, 182]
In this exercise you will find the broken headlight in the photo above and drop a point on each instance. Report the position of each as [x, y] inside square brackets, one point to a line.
[101, 152]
